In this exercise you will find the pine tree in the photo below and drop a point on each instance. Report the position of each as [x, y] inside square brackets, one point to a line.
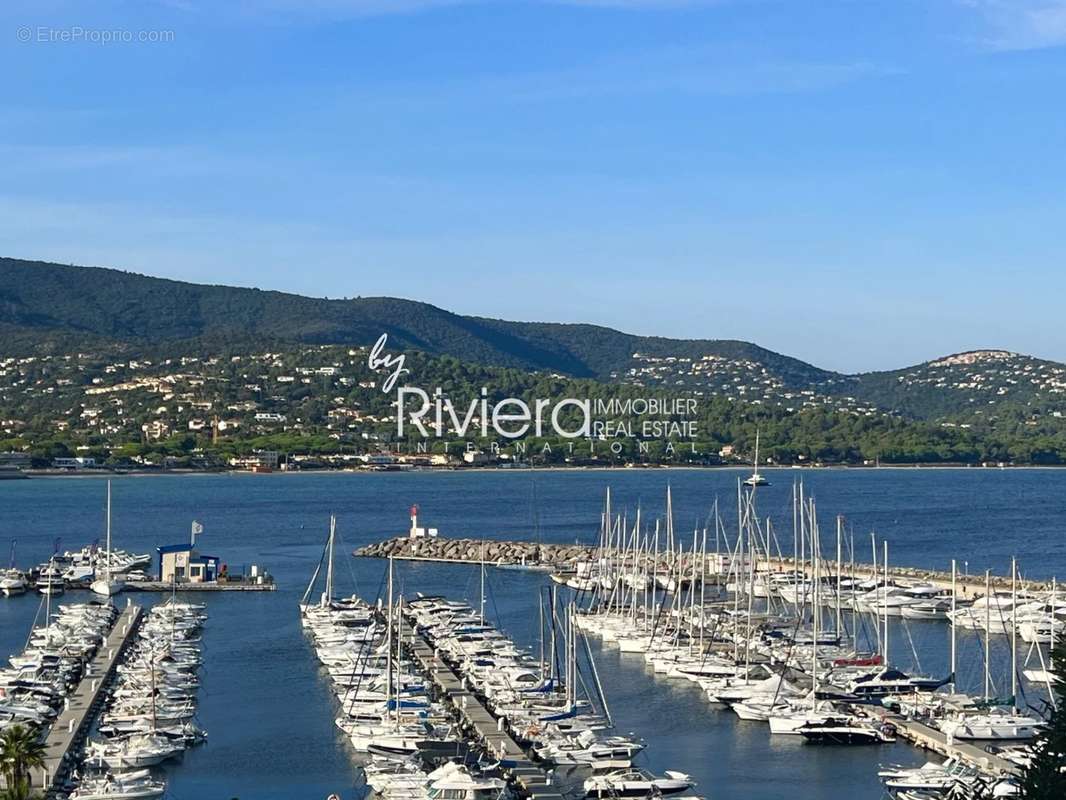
[1045, 777]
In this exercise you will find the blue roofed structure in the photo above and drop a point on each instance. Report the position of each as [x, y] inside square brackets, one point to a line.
[183, 563]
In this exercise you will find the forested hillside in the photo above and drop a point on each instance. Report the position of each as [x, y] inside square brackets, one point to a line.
[56, 309]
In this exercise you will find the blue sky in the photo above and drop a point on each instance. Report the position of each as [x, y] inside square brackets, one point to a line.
[861, 184]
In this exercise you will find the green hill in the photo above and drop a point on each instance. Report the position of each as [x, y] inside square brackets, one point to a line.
[68, 308]
[40, 300]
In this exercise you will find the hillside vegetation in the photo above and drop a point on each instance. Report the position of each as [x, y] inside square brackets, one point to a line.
[59, 309]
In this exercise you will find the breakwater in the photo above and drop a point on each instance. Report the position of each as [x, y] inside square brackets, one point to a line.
[565, 558]
[473, 551]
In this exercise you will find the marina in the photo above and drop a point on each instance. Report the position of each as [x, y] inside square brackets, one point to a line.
[543, 400]
[529, 777]
[71, 726]
[512, 604]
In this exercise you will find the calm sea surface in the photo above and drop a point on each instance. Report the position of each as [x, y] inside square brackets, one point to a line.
[269, 712]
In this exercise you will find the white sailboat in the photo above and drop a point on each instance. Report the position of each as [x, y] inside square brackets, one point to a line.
[755, 479]
[107, 586]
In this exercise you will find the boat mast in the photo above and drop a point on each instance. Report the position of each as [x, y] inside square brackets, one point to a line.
[540, 612]
[749, 511]
[885, 600]
[815, 599]
[399, 644]
[1051, 645]
[736, 557]
[795, 536]
[854, 602]
[988, 631]
[692, 590]
[840, 533]
[388, 642]
[1014, 631]
[703, 581]
[800, 611]
[669, 522]
[954, 577]
[328, 597]
[48, 594]
[609, 532]
[649, 595]
[482, 582]
[1054, 592]
[876, 576]
[552, 660]
[107, 565]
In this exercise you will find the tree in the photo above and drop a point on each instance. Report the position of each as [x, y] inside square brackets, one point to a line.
[20, 751]
[1045, 777]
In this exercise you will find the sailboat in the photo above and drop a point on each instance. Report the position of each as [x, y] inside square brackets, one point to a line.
[107, 586]
[755, 479]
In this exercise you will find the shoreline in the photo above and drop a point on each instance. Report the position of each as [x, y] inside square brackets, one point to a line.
[150, 473]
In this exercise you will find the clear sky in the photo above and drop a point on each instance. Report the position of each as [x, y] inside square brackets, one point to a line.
[863, 184]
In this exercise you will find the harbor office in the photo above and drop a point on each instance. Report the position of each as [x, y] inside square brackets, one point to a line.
[183, 563]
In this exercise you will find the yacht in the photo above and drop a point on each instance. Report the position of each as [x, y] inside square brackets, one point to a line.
[11, 580]
[636, 783]
[833, 731]
[1003, 726]
[50, 581]
[128, 786]
[890, 681]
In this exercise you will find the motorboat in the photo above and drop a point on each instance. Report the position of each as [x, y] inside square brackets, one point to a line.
[135, 786]
[636, 783]
[875, 685]
[848, 732]
[12, 582]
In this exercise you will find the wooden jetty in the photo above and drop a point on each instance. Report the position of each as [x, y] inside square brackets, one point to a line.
[81, 705]
[530, 778]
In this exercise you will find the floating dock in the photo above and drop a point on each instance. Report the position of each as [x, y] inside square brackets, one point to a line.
[531, 779]
[81, 705]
